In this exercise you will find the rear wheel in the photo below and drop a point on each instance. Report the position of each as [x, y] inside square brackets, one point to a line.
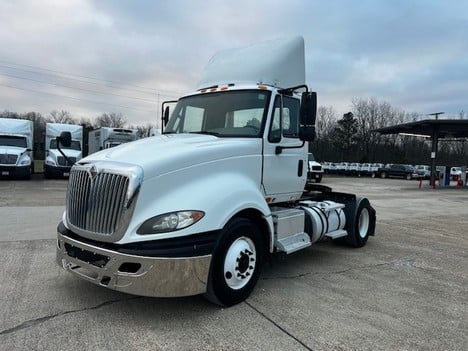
[364, 222]
[408, 176]
[236, 263]
[383, 175]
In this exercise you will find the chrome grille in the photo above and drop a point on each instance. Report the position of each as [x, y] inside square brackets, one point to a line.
[316, 168]
[100, 200]
[63, 162]
[7, 159]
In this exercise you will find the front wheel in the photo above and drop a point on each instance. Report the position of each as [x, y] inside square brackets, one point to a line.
[408, 177]
[383, 175]
[236, 263]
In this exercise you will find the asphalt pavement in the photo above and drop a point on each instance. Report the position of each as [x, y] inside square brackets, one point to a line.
[407, 289]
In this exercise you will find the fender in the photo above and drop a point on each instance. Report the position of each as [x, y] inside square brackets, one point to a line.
[220, 194]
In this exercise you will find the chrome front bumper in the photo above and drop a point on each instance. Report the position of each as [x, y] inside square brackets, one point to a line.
[138, 275]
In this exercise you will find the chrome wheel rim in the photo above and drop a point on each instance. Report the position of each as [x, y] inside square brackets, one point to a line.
[363, 225]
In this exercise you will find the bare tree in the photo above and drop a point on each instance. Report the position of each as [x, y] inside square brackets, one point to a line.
[85, 123]
[326, 121]
[111, 119]
[60, 117]
[9, 114]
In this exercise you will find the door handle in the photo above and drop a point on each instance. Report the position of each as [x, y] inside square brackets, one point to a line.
[300, 168]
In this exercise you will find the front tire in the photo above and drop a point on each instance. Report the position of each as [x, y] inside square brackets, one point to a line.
[236, 263]
[383, 175]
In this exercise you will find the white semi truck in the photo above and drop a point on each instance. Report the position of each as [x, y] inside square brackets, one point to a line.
[57, 162]
[107, 137]
[198, 209]
[16, 144]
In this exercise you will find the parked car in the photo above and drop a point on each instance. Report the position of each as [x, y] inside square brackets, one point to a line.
[398, 171]
[455, 172]
[342, 167]
[423, 171]
[353, 168]
[315, 170]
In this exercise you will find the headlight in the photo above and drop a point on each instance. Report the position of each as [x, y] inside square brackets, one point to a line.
[50, 162]
[25, 160]
[170, 222]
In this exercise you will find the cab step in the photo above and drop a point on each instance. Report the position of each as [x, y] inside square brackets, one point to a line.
[336, 234]
[293, 243]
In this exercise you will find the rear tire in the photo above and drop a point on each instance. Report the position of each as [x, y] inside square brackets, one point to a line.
[364, 224]
[383, 175]
[236, 263]
[408, 176]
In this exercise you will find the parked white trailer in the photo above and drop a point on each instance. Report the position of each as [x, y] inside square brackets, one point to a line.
[107, 137]
[16, 144]
[198, 209]
[58, 163]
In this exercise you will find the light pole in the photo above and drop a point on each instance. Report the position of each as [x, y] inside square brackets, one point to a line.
[435, 141]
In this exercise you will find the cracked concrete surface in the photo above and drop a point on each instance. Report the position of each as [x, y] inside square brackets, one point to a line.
[37, 321]
[405, 290]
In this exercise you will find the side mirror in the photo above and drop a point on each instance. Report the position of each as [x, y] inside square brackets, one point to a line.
[166, 115]
[307, 133]
[308, 108]
[308, 116]
[64, 139]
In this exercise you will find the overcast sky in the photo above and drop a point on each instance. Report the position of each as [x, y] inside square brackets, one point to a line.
[89, 57]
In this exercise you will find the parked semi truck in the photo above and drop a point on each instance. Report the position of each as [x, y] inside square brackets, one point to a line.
[57, 162]
[107, 137]
[199, 208]
[16, 143]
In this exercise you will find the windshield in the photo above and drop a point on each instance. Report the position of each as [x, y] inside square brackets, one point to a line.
[75, 145]
[224, 114]
[9, 140]
[311, 157]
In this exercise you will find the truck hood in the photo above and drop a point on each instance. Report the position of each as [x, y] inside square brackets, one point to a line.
[163, 154]
[12, 150]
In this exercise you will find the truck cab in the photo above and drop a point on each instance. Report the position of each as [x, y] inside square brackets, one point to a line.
[109, 137]
[16, 139]
[59, 158]
[199, 208]
[315, 169]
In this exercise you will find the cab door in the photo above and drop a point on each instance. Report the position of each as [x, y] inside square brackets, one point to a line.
[284, 159]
